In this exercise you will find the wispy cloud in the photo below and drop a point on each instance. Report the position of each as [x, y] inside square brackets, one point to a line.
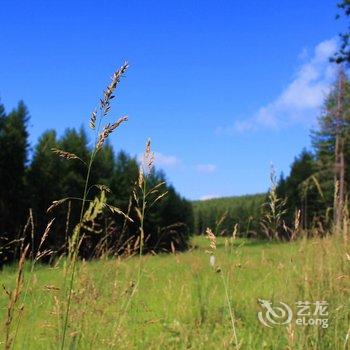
[300, 101]
[164, 160]
[209, 196]
[206, 168]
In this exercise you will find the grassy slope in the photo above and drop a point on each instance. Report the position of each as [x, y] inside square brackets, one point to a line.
[181, 303]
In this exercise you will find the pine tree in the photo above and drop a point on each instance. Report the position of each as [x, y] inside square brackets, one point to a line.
[13, 159]
[343, 54]
[300, 190]
[73, 180]
[44, 179]
[332, 145]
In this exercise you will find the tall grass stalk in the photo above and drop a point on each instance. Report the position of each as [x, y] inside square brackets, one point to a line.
[232, 316]
[75, 253]
[101, 136]
[211, 251]
[274, 210]
[13, 298]
[143, 198]
[34, 259]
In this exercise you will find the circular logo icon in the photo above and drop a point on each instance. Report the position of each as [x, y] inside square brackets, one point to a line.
[274, 315]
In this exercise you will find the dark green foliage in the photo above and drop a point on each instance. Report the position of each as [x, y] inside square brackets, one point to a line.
[300, 190]
[222, 214]
[168, 222]
[173, 215]
[13, 159]
[44, 177]
[74, 170]
[343, 55]
[48, 177]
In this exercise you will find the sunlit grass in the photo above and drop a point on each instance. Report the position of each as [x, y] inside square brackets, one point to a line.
[180, 302]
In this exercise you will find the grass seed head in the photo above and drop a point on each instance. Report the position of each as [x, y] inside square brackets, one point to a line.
[92, 123]
[107, 130]
[64, 154]
[108, 93]
[148, 158]
[212, 239]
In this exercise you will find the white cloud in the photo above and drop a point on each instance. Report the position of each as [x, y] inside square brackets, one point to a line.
[304, 54]
[209, 196]
[164, 160]
[300, 101]
[170, 161]
[205, 168]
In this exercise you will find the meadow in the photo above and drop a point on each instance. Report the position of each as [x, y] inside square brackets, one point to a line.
[138, 282]
[180, 300]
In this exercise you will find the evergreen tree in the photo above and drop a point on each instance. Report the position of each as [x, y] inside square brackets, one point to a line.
[332, 144]
[168, 223]
[104, 166]
[242, 210]
[44, 178]
[123, 180]
[13, 159]
[343, 54]
[300, 190]
[73, 181]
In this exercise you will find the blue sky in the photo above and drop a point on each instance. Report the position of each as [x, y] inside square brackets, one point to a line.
[223, 88]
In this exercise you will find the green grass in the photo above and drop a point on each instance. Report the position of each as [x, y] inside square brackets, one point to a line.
[180, 302]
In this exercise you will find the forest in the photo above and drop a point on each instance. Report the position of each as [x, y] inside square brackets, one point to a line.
[38, 177]
[34, 180]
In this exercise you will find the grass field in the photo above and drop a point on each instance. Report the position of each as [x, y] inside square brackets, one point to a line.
[180, 301]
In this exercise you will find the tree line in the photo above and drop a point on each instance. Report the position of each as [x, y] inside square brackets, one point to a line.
[223, 214]
[31, 179]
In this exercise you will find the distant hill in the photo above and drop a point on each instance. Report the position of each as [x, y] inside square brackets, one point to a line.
[222, 214]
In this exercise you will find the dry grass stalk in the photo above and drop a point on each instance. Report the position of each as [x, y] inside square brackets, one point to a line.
[212, 245]
[212, 239]
[148, 158]
[13, 297]
[92, 123]
[107, 130]
[67, 224]
[219, 222]
[39, 255]
[290, 336]
[297, 225]
[55, 204]
[272, 222]
[64, 154]
[235, 231]
[142, 197]
[108, 93]
[118, 211]
[105, 106]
